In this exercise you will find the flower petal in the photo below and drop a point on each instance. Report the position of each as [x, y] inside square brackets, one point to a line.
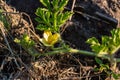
[46, 34]
[44, 42]
[53, 39]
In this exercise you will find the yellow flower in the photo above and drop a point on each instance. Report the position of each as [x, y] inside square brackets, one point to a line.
[49, 39]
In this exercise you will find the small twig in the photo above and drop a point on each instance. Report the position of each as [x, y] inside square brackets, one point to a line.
[3, 33]
[16, 62]
[106, 18]
[11, 75]
[10, 12]
[27, 68]
[3, 46]
[72, 8]
[9, 48]
[2, 64]
[18, 74]
[84, 14]
[64, 27]
[29, 20]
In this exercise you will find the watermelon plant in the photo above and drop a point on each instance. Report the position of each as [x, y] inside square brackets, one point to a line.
[51, 18]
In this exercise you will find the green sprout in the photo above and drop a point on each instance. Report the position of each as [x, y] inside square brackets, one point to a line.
[27, 45]
[25, 42]
[52, 16]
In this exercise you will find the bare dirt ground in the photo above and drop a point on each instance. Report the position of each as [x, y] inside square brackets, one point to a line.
[91, 18]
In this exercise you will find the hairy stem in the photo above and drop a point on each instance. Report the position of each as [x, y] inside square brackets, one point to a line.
[76, 51]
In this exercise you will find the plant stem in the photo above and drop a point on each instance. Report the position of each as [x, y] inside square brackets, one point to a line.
[113, 62]
[76, 51]
[73, 5]
[3, 33]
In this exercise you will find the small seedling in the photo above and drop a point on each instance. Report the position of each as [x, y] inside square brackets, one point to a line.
[27, 45]
[25, 42]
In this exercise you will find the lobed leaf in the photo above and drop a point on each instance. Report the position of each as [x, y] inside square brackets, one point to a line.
[25, 42]
[52, 17]
[62, 4]
[46, 3]
[108, 45]
[55, 4]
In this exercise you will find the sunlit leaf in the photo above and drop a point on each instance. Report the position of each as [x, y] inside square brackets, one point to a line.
[93, 41]
[62, 4]
[25, 42]
[16, 40]
[108, 45]
[55, 4]
[46, 3]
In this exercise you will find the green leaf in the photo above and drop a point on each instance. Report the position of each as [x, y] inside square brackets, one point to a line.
[96, 69]
[54, 17]
[95, 48]
[40, 11]
[3, 18]
[116, 76]
[44, 16]
[63, 17]
[108, 45]
[48, 17]
[28, 45]
[98, 60]
[39, 20]
[104, 67]
[116, 36]
[62, 4]
[59, 18]
[25, 42]
[42, 27]
[55, 4]
[66, 16]
[95, 45]
[46, 3]
[93, 41]
[17, 40]
[105, 40]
